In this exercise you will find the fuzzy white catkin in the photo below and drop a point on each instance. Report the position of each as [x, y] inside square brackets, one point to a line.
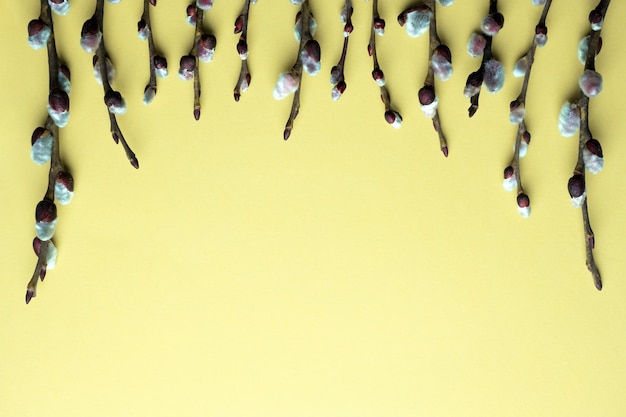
[51, 256]
[62, 194]
[590, 83]
[569, 119]
[593, 163]
[520, 67]
[41, 151]
[45, 230]
[60, 119]
[61, 9]
[110, 71]
[64, 82]
[578, 201]
[204, 4]
[40, 39]
[445, 2]
[161, 72]
[430, 110]
[494, 76]
[418, 22]
[510, 183]
[297, 30]
[524, 211]
[310, 64]
[148, 96]
[441, 67]
[476, 45]
[287, 84]
[517, 115]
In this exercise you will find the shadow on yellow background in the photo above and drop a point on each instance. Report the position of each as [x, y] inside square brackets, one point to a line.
[351, 271]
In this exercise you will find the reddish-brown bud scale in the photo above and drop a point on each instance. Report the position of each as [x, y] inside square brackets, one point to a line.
[242, 47]
[379, 23]
[390, 117]
[42, 273]
[188, 62]
[341, 86]
[593, 146]
[46, 211]
[370, 49]
[113, 99]
[208, 41]
[509, 172]
[298, 16]
[541, 30]
[576, 185]
[378, 74]
[239, 24]
[59, 100]
[426, 95]
[38, 133]
[348, 28]
[498, 18]
[475, 79]
[35, 26]
[445, 52]
[29, 295]
[141, 25]
[192, 10]
[64, 70]
[196, 114]
[523, 200]
[514, 104]
[595, 17]
[312, 48]
[37, 245]
[287, 133]
[153, 2]
[65, 178]
[160, 62]
[526, 137]
[402, 18]
[90, 27]
[134, 162]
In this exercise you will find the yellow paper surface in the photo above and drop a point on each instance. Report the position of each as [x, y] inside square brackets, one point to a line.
[351, 271]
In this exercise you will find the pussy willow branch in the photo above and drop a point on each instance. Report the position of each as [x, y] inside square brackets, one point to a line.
[305, 12]
[55, 161]
[152, 52]
[487, 55]
[384, 93]
[197, 88]
[434, 42]
[521, 98]
[116, 132]
[584, 137]
[244, 73]
[339, 83]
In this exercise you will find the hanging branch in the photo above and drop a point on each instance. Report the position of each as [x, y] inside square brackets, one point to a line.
[45, 144]
[92, 40]
[491, 71]
[417, 20]
[523, 67]
[337, 79]
[158, 63]
[575, 116]
[308, 59]
[241, 27]
[378, 29]
[203, 50]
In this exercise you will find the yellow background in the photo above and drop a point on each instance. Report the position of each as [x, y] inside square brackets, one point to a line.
[350, 272]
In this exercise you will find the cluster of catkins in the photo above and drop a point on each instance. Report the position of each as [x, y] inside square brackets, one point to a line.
[45, 142]
[417, 20]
